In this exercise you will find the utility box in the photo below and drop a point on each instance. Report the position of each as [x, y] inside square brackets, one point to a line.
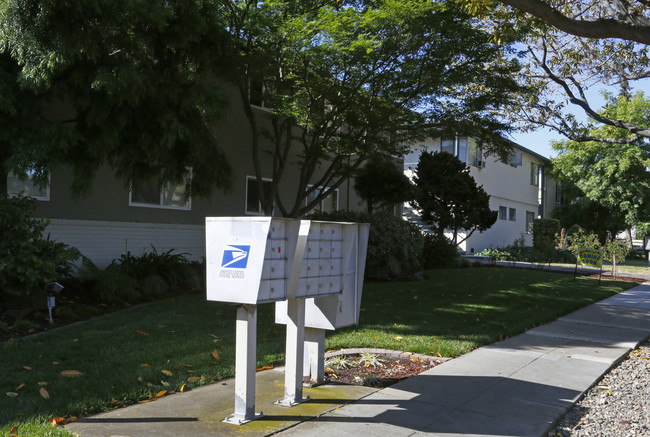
[252, 260]
[342, 272]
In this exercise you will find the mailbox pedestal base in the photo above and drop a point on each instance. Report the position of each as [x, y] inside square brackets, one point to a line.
[314, 367]
[294, 354]
[245, 366]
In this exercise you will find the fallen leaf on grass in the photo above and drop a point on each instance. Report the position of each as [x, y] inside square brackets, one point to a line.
[20, 386]
[27, 368]
[166, 372]
[13, 430]
[57, 421]
[12, 394]
[71, 373]
[193, 378]
[44, 393]
[141, 332]
[160, 394]
[42, 383]
[264, 368]
[146, 365]
[215, 355]
[398, 338]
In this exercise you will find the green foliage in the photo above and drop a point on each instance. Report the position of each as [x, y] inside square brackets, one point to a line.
[616, 250]
[545, 238]
[135, 87]
[174, 268]
[582, 239]
[438, 252]
[389, 89]
[394, 245]
[642, 230]
[28, 261]
[109, 285]
[382, 183]
[613, 175]
[339, 362]
[369, 359]
[448, 196]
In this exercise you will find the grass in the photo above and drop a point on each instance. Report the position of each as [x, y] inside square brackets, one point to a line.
[134, 355]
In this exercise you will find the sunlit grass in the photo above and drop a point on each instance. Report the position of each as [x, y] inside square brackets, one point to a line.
[133, 355]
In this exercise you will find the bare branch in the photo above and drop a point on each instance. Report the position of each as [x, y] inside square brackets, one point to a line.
[630, 27]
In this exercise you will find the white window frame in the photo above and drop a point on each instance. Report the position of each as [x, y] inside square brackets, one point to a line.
[160, 205]
[44, 198]
[534, 173]
[259, 211]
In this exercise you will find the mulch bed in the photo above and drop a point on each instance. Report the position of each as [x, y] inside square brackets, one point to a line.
[391, 369]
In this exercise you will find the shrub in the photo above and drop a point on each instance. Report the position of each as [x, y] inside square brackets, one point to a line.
[394, 245]
[109, 285]
[545, 238]
[438, 252]
[174, 268]
[28, 261]
[581, 239]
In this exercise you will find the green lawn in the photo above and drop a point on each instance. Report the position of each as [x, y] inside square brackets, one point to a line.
[135, 354]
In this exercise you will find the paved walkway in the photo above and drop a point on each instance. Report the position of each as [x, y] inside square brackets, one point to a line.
[517, 387]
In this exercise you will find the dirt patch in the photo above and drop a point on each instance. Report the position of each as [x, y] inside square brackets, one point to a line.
[386, 371]
[621, 278]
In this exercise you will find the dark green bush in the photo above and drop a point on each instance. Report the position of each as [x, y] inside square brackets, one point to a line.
[28, 261]
[438, 252]
[174, 268]
[394, 245]
[109, 285]
[545, 238]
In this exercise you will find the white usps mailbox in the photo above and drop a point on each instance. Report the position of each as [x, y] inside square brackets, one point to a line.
[337, 310]
[252, 260]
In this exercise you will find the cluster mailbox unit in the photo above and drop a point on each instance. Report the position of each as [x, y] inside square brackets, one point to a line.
[312, 270]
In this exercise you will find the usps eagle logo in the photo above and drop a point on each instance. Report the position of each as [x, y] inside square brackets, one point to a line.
[235, 257]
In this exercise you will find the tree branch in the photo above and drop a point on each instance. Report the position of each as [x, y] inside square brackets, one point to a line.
[634, 28]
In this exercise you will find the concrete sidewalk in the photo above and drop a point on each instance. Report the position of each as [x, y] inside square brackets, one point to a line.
[518, 387]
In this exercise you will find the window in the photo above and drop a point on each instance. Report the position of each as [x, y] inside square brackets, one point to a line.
[530, 217]
[253, 203]
[559, 198]
[534, 174]
[462, 148]
[512, 216]
[328, 204]
[515, 159]
[449, 146]
[476, 156]
[503, 212]
[27, 187]
[152, 194]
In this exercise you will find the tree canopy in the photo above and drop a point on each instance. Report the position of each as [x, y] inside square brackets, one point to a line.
[123, 83]
[383, 184]
[613, 175]
[346, 80]
[572, 48]
[448, 196]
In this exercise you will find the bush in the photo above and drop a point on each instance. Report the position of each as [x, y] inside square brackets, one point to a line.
[109, 285]
[438, 252]
[545, 238]
[395, 246]
[28, 261]
[174, 268]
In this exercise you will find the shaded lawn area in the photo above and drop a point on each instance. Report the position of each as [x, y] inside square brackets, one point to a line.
[136, 354]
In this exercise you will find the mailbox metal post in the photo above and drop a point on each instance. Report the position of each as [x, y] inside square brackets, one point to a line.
[245, 366]
[314, 355]
[294, 354]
